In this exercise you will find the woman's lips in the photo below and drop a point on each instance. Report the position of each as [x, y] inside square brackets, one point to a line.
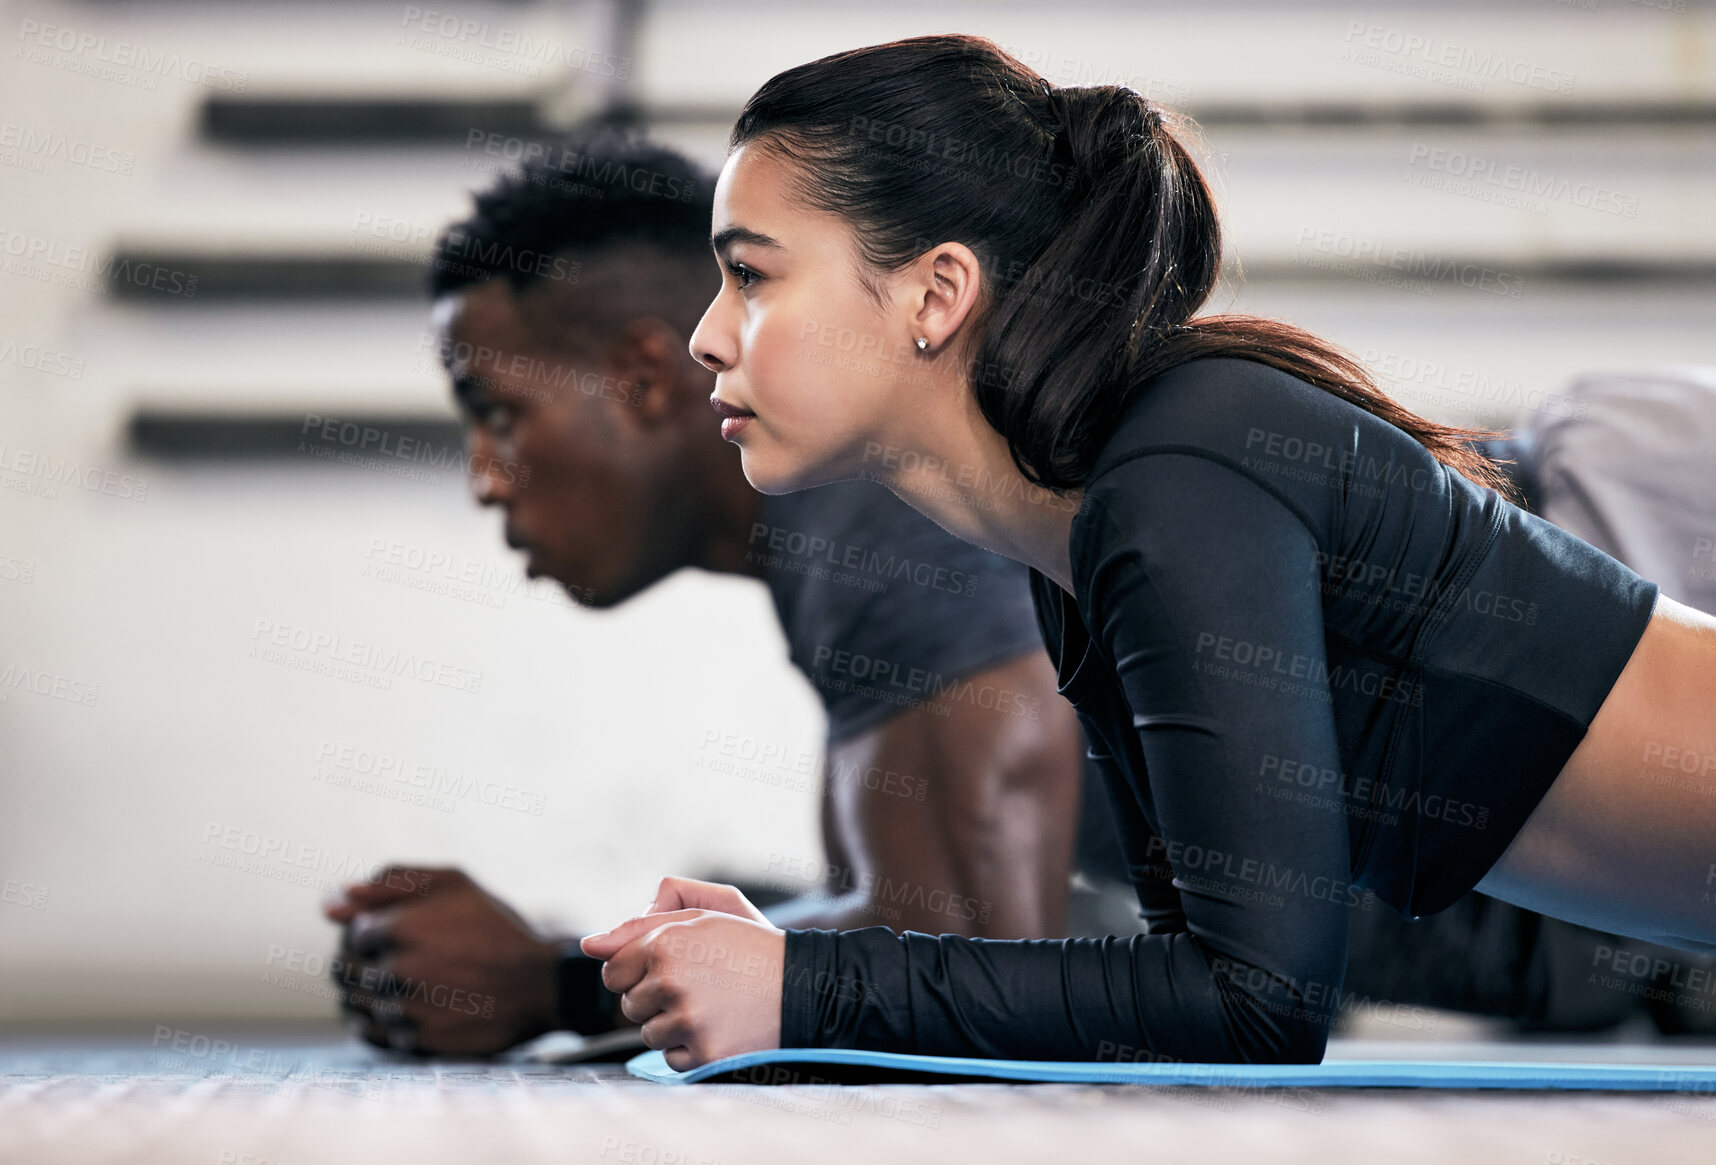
[736, 418]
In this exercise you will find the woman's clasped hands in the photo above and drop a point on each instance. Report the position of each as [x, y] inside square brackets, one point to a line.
[700, 969]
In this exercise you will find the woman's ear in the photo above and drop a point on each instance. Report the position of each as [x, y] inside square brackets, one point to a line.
[947, 282]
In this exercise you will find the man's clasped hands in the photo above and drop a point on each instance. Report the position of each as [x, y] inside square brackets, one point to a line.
[432, 963]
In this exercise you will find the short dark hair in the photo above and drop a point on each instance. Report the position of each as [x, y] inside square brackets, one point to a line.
[594, 188]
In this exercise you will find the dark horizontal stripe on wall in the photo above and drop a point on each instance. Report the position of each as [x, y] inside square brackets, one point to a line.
[166, 278]
[263, 121]
[303, 437]
[1453, 114]
[1331, 266]
[1350, 114]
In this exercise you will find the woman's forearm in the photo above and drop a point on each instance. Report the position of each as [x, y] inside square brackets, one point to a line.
[1168, 997]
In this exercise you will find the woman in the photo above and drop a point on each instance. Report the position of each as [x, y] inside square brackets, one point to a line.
[1318, 652]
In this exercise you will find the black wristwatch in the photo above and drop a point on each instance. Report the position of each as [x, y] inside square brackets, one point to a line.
[581, 1003]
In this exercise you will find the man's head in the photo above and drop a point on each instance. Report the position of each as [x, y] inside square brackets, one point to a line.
[564, 304]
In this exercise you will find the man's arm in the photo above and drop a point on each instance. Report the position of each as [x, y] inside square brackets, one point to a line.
[962, 823]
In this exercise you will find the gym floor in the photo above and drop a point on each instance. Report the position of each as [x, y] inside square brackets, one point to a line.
[157, 1097]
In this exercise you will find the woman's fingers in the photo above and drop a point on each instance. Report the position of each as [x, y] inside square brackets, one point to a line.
[677, 893]
[681, 1059]
[651, 995]
[667, 1030]
[608, 943]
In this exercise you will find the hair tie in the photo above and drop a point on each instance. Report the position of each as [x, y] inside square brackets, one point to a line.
[1056, 109]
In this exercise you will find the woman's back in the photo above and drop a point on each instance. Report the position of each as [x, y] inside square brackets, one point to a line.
[1255, 553]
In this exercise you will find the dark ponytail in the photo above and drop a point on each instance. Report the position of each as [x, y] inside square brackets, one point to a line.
[1096, 232]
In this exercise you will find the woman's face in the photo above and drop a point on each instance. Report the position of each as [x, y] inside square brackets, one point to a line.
[795, 340]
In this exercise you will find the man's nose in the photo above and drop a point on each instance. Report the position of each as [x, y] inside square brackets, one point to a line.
[488, 485]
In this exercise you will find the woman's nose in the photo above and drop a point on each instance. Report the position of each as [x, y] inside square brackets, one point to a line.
[705, 349]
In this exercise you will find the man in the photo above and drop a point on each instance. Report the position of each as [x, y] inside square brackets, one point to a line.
[974, 797]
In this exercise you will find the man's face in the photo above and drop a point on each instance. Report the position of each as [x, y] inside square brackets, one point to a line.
[546, 444]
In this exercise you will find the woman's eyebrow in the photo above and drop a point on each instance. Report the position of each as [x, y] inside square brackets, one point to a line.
[721, 240]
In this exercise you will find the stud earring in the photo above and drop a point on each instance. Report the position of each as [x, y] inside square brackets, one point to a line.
[922, 343]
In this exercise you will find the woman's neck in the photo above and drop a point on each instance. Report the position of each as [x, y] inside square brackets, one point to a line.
[954, 468]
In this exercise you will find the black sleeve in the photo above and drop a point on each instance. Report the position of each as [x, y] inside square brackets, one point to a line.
[1151, 877]
[581, 1003]
[1181, 553]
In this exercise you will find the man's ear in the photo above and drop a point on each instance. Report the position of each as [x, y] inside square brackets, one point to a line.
[646, 379]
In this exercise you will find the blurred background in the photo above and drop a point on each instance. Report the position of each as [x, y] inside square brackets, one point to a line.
[229, 461]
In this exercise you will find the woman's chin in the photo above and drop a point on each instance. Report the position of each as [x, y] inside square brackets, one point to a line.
[770, 477]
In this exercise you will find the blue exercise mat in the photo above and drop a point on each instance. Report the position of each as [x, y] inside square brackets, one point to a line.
[853, 1066]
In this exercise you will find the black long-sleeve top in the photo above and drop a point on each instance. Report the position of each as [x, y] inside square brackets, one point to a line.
[1315, 665]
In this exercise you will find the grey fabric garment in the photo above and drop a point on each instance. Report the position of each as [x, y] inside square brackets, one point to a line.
[883, 610]
[1632, 471]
